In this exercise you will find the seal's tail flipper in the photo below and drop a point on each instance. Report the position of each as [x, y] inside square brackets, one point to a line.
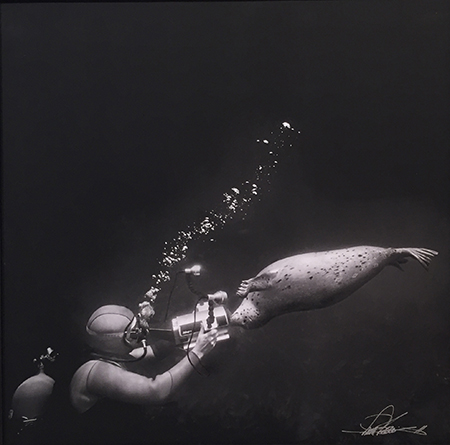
[397, 264]
[423, 256]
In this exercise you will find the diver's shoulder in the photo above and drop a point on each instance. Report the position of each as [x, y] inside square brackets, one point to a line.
[87, 366]
[80, 396]
[100, 362]
[83, 371]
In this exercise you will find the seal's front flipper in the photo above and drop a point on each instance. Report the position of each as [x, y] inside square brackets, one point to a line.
[260, 282]
[243, 288]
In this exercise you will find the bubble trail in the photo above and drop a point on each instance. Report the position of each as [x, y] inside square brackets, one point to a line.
[235, 204]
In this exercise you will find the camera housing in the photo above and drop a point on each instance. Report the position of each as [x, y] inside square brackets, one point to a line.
[207, 314]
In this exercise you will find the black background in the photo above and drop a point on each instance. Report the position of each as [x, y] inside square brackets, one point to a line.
[125, 123]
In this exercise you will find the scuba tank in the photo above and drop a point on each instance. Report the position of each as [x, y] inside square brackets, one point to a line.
[31, 396]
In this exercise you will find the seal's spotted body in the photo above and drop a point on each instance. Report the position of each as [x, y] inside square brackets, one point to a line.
[315, 280]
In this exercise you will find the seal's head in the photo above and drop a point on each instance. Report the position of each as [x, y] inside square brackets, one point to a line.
[106, 329]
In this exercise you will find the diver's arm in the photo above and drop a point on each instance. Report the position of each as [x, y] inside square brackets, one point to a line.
[158, 350]
[138, 352]
[107, 380]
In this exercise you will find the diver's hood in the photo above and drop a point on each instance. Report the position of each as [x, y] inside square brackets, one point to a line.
[105, 329]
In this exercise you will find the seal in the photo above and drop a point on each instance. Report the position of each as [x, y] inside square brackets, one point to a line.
[315, 280]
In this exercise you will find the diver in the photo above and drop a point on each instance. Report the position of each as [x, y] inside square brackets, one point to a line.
[108, 374]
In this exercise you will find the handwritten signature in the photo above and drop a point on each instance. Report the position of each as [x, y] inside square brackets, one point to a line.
[383, 424]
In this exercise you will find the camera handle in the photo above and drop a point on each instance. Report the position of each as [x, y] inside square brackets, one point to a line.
[210, 320]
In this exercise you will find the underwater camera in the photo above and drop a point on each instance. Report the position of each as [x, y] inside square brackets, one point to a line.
[209, 313]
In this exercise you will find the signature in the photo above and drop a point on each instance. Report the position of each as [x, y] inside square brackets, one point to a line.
[382, 423]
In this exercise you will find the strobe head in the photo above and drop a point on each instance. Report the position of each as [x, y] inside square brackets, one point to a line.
[219, 297]
[194, 270]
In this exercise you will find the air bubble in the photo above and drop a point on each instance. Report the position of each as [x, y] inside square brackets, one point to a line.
[234, 204]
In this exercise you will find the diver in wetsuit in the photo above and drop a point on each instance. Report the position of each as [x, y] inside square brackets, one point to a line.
[107, 376]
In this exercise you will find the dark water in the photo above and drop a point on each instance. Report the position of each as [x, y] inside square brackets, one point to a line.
[124, 124]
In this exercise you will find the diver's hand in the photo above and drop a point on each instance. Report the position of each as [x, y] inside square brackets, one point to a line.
[205, 342]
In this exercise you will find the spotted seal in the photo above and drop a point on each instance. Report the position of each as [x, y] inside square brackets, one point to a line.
[315, 280]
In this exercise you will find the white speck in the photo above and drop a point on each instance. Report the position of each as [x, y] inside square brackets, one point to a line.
[265, 141]
[286, 125]
[235, 190]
